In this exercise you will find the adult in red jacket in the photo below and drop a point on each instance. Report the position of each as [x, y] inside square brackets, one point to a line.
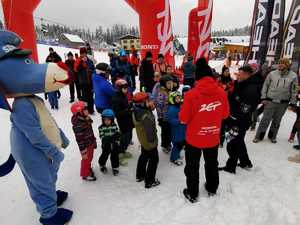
[203, 110]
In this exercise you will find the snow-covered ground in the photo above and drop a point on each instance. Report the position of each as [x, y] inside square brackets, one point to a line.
[269, 194]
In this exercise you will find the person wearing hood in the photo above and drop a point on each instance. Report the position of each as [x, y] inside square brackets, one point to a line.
[189, 71]
[102, 87]
[53, 57]
[203, 110]
[147, 73]
[280, 89]
[243, 101]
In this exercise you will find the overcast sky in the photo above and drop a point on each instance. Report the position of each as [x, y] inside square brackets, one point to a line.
[91, 13]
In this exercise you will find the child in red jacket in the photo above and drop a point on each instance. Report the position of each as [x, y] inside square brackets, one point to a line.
[85, 138]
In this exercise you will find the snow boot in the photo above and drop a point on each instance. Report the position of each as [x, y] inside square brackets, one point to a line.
[167, 150]
[103, 169]
[138, 180]
[297, 147]
[226, 170]
[210, 193]
[246, 167]
[90, 178]
[116, 172]
[61, 197]
[177, 162]
[188, 196]
[256, 140]
[295, 159]
[273, 140]
[153, 184]
[291, 138]
[61, 217]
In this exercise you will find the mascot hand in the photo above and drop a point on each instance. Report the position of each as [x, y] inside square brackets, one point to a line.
[57, 157]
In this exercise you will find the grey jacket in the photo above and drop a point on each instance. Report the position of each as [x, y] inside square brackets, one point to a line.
[280, 87]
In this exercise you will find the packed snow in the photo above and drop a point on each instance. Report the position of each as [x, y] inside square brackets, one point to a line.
[269, 194]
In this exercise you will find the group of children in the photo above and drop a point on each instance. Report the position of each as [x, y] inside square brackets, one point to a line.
[135, 112]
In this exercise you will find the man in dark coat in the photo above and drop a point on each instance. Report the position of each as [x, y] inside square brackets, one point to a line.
[70, 62]
[147, 73]
[53, 56]
[243, 101]
[84, 68]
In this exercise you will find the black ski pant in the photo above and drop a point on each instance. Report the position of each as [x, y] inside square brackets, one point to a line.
[166, 135]
[147, 165]
[109, 149]
[87, 96]
[294, 130]
[191, 170]
[72, 87]
[237, 151]
[223, 133]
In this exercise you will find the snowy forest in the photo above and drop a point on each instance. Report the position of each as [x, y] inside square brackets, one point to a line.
[244, 31]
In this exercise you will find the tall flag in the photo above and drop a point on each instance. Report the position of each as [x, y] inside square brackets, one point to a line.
[275, 41]
[261, 27]
[291, 48]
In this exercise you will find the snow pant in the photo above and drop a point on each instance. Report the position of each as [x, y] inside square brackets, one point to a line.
[39, 173]
[222, 133]
[87, 96]
[177, 147]
[294, 130]
[237, 150]
[109, 149]
[72, 87]
[133, 76]
[191, 170]
[147, 165]
[166, 135]
[256, 114]
[86, 164]
[272, 112]
[189, 81]
[53, 100]
[125, 140]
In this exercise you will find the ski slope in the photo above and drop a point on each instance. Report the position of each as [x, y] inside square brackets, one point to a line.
[269, 194]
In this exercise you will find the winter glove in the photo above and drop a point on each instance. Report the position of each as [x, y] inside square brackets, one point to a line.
[232, 134]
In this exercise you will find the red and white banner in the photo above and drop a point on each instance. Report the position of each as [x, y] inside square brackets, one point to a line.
[200, 21]
[19, 19]
[155, 27]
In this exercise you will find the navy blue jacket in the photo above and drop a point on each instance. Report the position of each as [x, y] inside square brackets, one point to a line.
[178, 129]
[189, 70]
[103, 90]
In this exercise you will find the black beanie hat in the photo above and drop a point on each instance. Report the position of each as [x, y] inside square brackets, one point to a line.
[70, 54]
[203, 69]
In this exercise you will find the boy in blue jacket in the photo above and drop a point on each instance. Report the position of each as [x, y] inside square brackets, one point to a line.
[177, 128]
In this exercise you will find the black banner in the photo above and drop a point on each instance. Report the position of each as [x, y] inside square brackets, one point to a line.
[275, 40]
[291, 48]
[261, 27]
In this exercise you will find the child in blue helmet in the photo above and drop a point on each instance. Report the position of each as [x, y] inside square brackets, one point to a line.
[110, 136]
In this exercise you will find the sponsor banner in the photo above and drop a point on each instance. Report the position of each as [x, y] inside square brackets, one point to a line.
[291, 45]
[155, 28]
[275, 41]
[261, 27]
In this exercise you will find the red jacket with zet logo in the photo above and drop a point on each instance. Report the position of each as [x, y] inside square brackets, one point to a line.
[203, 110]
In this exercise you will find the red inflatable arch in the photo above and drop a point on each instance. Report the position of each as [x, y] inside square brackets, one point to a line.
[154, 19]
[18, 15]
[200, 21]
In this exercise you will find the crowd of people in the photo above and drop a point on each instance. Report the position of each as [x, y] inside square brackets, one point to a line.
[203, 114]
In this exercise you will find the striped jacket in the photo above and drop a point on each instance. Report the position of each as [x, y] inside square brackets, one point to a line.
[109, 134]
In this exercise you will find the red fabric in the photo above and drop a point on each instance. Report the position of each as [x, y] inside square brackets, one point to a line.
[85, 170]
[134, 61]
[203, 110]
[80, 61]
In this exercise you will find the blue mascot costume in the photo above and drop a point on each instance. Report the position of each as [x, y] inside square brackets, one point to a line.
[35, 138]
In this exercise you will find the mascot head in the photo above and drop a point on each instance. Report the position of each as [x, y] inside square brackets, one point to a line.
[21, 76]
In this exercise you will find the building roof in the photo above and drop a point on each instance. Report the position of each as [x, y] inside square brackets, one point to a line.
[73, 38]
[128, 36]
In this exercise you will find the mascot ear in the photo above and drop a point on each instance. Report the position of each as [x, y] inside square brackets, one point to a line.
[7, 167]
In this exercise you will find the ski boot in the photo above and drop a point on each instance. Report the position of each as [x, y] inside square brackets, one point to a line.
[177, 162]
[167, 150]
[61, 197]
[61, 217]
[226, 170]
[210, 194]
